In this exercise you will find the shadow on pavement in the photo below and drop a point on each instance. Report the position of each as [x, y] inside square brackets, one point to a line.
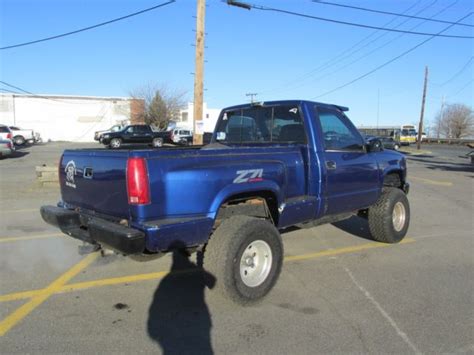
[356, 226]
[444, 165]
[18, 154]
[179, 319]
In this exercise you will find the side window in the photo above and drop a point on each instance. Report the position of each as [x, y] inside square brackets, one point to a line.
[287, 125]
[131, 129]
[338, 133]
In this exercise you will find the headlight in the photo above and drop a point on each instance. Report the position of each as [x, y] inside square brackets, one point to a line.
[106, 136]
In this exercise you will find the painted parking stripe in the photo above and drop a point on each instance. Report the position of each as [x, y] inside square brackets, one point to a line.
[431, 182]
[40, 297]
[338, 251]
[158, 275]
[30, 237]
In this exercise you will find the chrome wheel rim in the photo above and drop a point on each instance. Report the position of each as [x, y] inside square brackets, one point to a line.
[398, 216]
[115, 143]
[157, 143]
[256, 263]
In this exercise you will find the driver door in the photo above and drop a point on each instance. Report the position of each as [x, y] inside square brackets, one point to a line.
[351, 174]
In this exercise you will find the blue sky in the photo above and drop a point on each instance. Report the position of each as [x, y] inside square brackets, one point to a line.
[275, 55]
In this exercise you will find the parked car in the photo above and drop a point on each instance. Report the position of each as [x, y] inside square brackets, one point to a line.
[386, 142]
[268, 167]
[22, 136]
[389, 143]
[135, 134]
[179, 135]
[6, 147]
[5, 133]
[115, 128]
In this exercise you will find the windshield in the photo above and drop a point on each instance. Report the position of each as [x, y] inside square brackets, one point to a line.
[408, 132]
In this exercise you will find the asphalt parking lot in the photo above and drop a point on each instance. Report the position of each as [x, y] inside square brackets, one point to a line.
[339, 292]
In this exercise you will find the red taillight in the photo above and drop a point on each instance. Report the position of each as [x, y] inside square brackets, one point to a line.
[137, 182]
[9, 136]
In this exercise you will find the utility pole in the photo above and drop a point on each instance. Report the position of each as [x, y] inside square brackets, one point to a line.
[420, 126]
[199, 72]
[252, 95]
[441, 114]
[378, 108]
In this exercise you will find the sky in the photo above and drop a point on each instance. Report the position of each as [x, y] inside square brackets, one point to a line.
[275, 55]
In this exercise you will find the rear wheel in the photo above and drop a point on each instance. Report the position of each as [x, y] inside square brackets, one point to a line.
[389, 218]
[157, 142]
[245, 254]
[115, 143]
[396, 147]
[19, 140]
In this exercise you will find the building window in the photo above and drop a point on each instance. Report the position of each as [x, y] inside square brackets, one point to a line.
[207, 115]
[184, 116]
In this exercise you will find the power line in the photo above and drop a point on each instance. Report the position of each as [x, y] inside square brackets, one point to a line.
[23, 91]
[391, 13]
[458, 72]
[438, 34]
[376, 49]
[463, 88]
[372, 51]
[390, 61]
[347, 53]
[89, 27]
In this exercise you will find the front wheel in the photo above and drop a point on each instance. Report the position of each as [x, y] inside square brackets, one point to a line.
[389, 218]
[396, 147]
[245, 254]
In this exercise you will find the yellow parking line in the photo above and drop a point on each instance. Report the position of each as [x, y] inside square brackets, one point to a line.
[352, 249]
[114, 281]
[14, 318]
[157, 275]
[32, 237]
[432, 182]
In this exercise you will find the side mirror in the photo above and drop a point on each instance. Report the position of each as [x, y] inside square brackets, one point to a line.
[374, 145]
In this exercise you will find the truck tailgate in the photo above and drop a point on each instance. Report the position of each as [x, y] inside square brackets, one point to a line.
[95, 180]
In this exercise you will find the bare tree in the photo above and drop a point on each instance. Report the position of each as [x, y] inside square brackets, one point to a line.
[162, 104]
[456, 121]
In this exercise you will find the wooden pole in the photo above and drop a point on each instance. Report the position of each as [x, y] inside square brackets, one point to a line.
[199, 73]
[420, 126]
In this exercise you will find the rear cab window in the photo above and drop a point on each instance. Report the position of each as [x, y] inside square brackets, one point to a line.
[267, 124]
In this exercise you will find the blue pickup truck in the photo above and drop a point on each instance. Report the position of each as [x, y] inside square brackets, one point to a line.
[269, 166]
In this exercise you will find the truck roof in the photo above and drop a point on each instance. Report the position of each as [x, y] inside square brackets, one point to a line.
[287, 102]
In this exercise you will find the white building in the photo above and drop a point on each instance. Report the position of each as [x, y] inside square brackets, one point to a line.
[210, 116]
[68, 118]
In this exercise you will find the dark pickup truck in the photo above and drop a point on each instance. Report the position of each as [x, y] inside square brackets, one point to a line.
[269, 166]
[135, 134]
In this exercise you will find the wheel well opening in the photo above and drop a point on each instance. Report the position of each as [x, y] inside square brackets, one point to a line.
[261, 204]
[393, 179]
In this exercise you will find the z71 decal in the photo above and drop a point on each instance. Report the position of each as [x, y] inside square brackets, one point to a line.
[252, 175]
